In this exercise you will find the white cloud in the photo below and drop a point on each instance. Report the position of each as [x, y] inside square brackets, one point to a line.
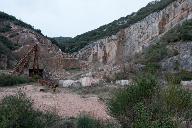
[69, 17]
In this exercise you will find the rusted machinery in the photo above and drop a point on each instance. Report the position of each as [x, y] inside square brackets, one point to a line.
[33, 56]
[24, 62]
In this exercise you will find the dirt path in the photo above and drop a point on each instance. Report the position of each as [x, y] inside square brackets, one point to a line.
[64, 103]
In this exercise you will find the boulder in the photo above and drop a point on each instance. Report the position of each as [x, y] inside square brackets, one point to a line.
[122, 82]
[89, 81]
[69, 83]
[187, 84]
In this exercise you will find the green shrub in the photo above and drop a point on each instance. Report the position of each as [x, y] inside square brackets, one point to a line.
[122, 104]
[156, 53]
[177, 99]
[6, 17]
[5, 28]
[176, 78]
[17, 112]
[9, 80]
[186, 30]
[5, 49]
[85, 121]
[142, 117]
[178, 33]
[152, 68]
[146, 105]
[172, 35]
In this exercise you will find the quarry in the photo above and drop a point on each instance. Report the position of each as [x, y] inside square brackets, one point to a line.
[86, 81]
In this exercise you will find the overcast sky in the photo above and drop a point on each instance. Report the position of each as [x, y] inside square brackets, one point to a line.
[69, 17]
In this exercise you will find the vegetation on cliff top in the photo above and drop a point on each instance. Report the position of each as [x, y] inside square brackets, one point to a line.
[6, 17]
[71, 45]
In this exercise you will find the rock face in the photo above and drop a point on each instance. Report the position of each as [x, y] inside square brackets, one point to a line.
[132, 40]
[182, 61]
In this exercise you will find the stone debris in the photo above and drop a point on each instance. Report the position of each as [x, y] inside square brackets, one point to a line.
[187, 84]
[89, 81]
[84, 82]
[69, 83]
[123, 82]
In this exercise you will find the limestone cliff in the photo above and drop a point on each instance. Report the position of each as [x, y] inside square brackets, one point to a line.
[132, 40]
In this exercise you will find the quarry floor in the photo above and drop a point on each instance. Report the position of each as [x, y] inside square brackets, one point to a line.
[63, 102]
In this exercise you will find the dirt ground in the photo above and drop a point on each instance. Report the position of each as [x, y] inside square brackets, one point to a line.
[64, 103]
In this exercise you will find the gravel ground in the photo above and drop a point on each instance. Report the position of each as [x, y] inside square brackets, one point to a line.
[63, 102]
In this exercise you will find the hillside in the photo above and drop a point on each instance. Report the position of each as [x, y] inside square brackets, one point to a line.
[80, 41]
[17, 37]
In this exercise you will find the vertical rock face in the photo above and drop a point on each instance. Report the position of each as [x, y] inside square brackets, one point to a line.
[182, 61]
[126, 43]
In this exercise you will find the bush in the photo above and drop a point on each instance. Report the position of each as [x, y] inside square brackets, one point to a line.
[178, 33]
[122, 104]
[145, 105]
[156, 53]
[177, 99]
[152, 68]
[5, 28]
[6, 17]
[86, 121]
[176, 78]
[9, 80]
[17, 112]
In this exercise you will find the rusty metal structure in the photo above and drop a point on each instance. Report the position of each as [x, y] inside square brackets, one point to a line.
[24, 62]
[33, 56]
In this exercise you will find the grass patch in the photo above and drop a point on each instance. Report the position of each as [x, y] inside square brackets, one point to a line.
[9, 80]
[176, 78]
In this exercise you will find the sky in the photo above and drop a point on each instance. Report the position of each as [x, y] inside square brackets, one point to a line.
[69, 18]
